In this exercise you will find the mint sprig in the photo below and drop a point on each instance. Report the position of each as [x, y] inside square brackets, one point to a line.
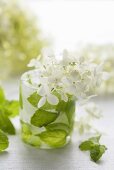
[4, 143]
[10, 108]
[95, 148]
[7, 109]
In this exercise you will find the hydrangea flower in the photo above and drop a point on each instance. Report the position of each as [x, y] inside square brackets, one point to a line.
[71, 75]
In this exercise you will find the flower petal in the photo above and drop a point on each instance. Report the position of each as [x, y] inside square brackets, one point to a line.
[32, 63]
[41, 102]
[41, 91]
[52, 99]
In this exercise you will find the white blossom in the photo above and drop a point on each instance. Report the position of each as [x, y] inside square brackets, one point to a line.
[72, 75]
[45, 94]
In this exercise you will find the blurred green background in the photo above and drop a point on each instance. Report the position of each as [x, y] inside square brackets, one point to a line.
[22, 34]
[20, 38]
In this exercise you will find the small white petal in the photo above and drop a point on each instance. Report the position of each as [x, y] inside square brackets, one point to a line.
[52, 99]
[32, 63]
[41, 91]
[65, 81]
[41, 102]
[71, 90]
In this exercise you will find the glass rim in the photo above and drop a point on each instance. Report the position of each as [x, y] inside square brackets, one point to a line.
[24, 78]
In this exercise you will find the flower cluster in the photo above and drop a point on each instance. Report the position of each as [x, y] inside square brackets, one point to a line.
[99, 53]
[85, 123]
[69, 76]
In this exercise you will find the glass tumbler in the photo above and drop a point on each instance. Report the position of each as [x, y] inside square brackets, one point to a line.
[47, 127]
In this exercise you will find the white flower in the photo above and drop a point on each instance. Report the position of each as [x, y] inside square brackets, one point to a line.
[83, 124]
[46, 96]
[35, 62]
[72, 75]
[93, 110]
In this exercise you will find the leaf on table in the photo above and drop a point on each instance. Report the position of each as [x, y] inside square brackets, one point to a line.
[93, 145]
[4, 143]
[86, 145]
[96, 139]
[97, 152]
[5, 124]
[11, 108]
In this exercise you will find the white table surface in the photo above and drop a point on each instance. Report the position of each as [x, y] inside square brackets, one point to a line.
[21, 157]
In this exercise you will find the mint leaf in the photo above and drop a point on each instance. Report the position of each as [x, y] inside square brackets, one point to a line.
[93, 145]
[70, 111]
[97, 152]
[25, 128]
[34, 99]
[48, 106]
[61, 106]
[54, 138]
[4, 143]
[2, 96]
[60, 126]
[43, 118]
[34, 141]
[28, 137]
[11, 108]
[96, 139]
[5, 124]
[87, 145]
[90, 143]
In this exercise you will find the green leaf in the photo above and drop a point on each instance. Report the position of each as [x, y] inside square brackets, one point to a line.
[5, 124]
[54, 138]
[4, 143]
[28, 137]
[2, 96]
[86, 145]
[11, 108]
[34, 99]
[20, 97]
[90, 143]
[48, 106]
[97, 152]
[60, 126]
[95, 139]
[70, 111]
[25, 128]
[34, 141]
[43, 118]
[61, 106]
